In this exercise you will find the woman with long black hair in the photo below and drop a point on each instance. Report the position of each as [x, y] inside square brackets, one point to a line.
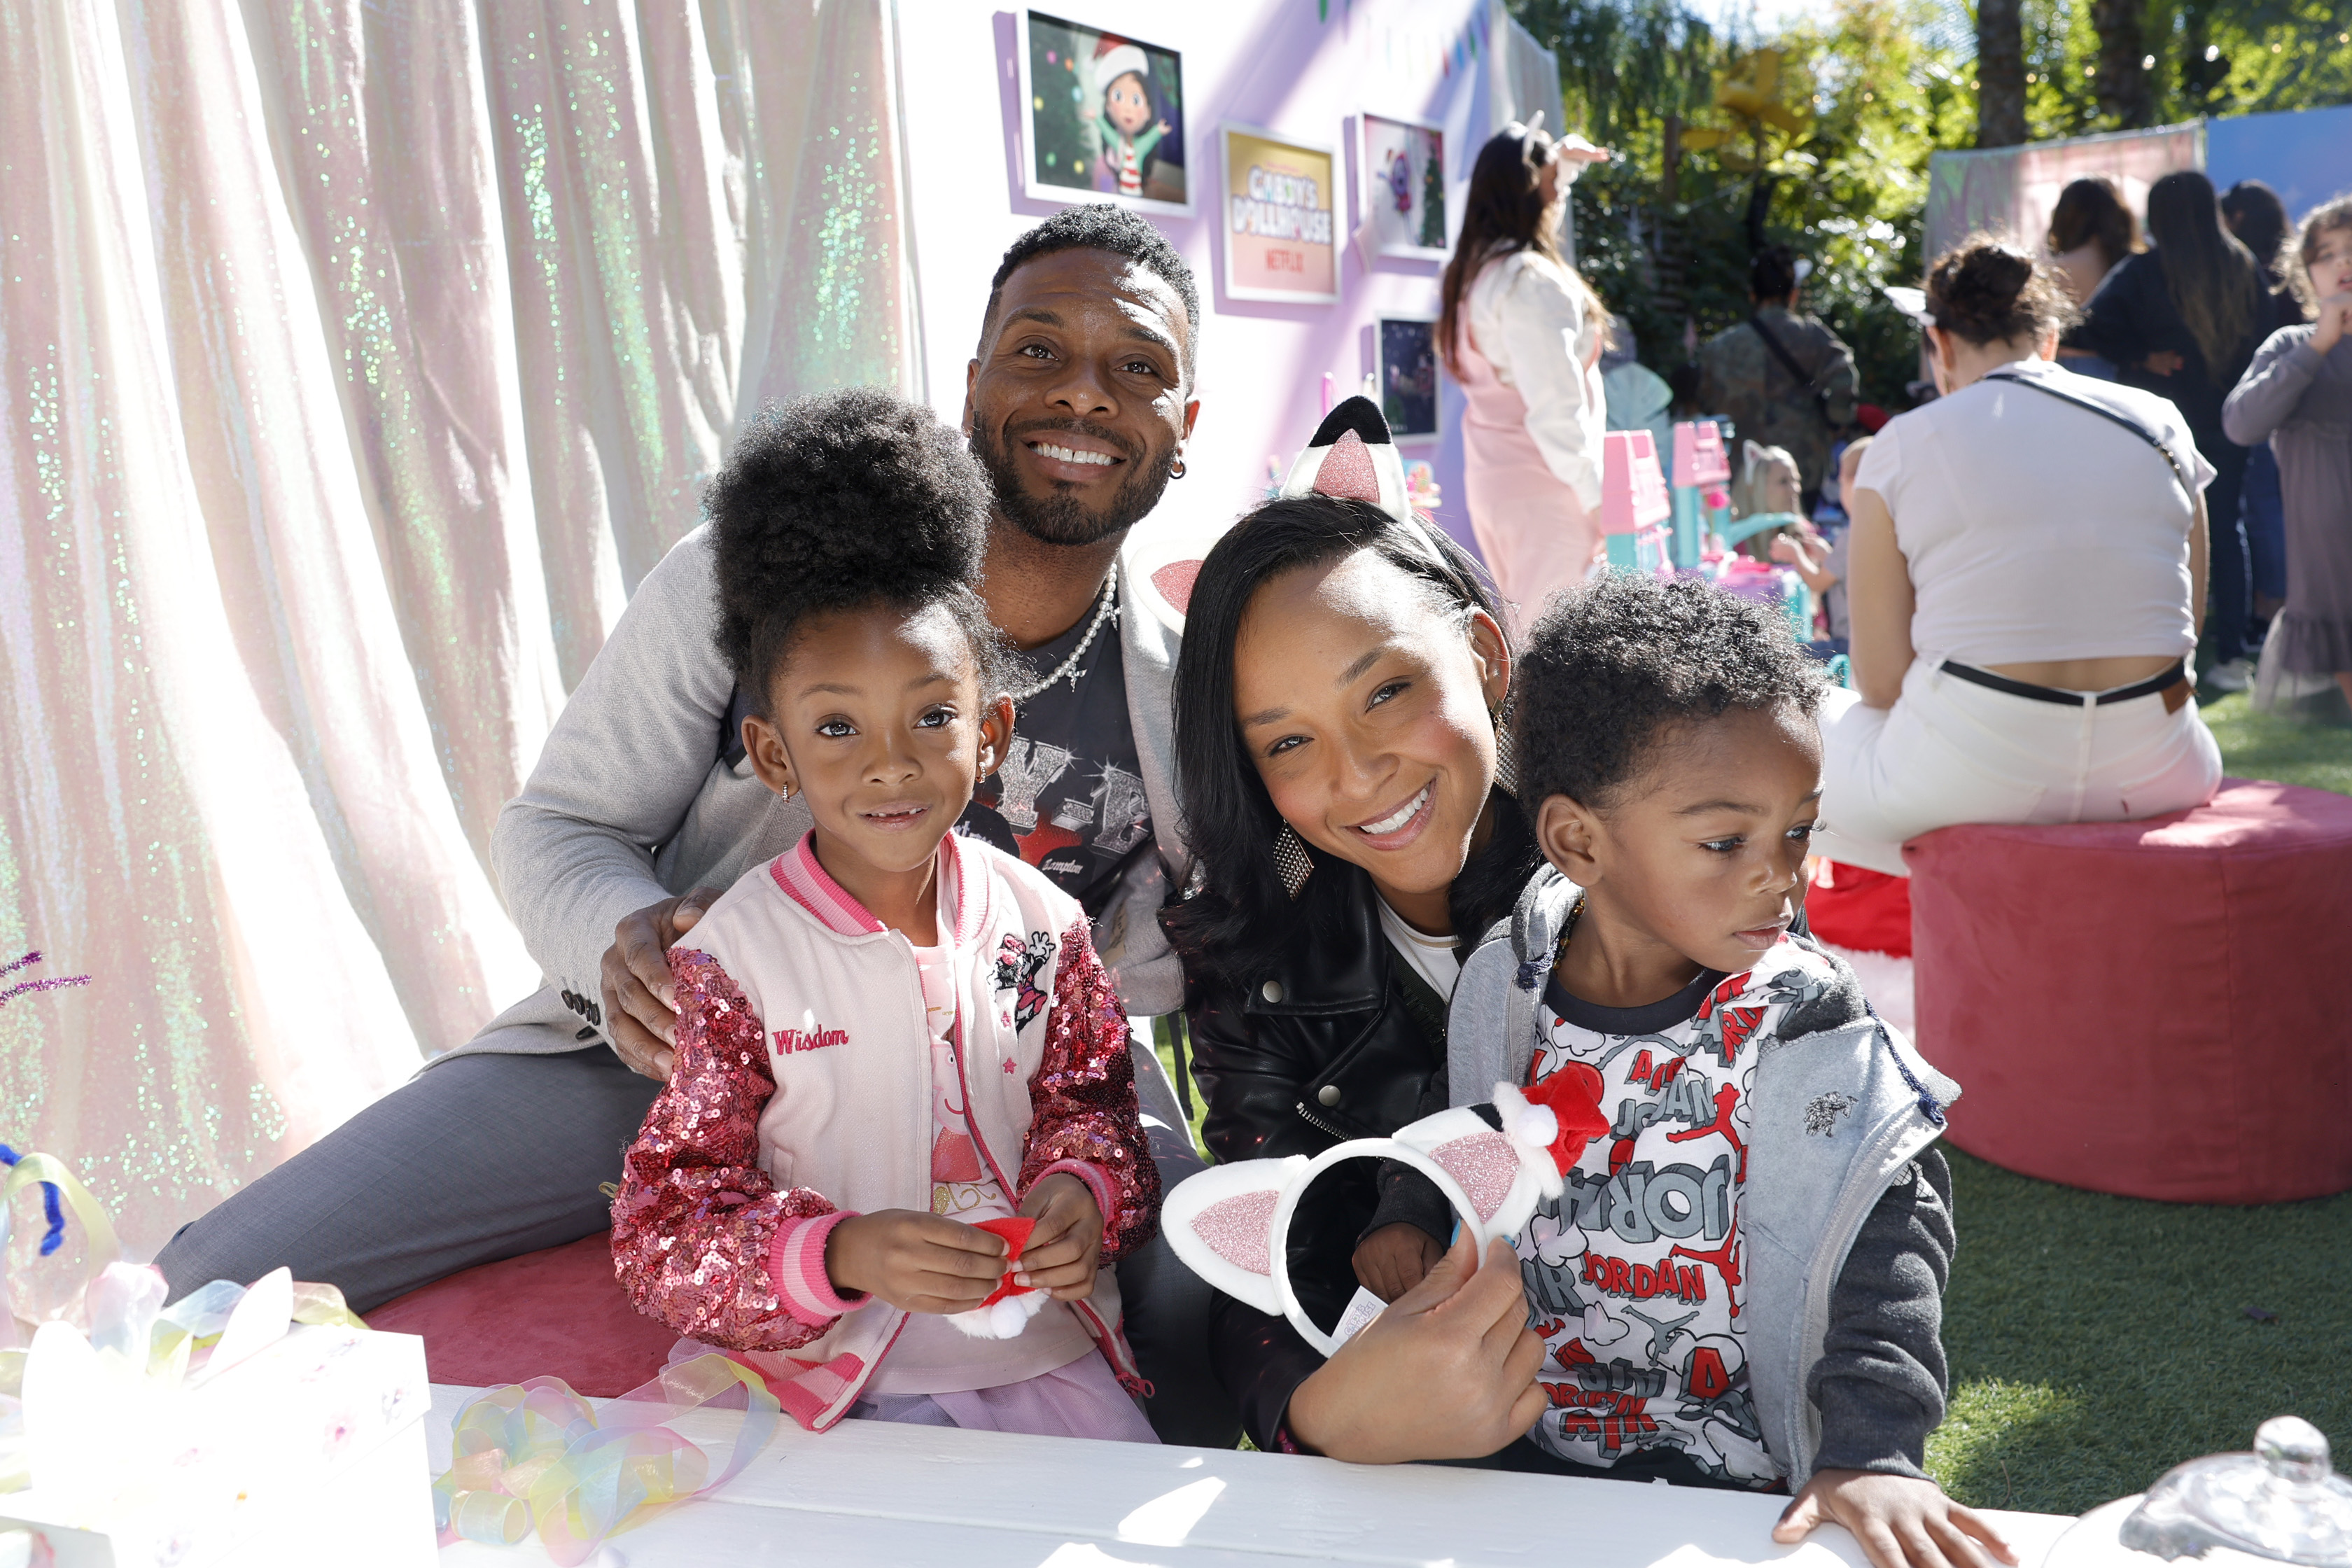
[1344, 792]
[2181, 321]
[1523, 333]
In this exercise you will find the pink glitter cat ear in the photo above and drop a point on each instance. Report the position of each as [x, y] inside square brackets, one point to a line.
[1352, 457]
[1231, 1224]
[1220, 1223]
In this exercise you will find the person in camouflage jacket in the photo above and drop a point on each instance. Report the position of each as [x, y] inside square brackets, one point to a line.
[1741, 376]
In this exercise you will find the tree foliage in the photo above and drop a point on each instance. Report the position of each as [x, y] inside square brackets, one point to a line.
[1888, 83]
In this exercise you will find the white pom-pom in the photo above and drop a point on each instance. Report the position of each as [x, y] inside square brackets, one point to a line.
[1532, 1125]
[1003, 1320]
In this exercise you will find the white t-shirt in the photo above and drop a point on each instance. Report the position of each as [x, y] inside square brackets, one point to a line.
[1436, 959]
[2039, 530]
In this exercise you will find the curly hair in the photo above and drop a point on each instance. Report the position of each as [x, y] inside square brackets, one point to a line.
[1608, 668]
[1100, 225]
[838, 501]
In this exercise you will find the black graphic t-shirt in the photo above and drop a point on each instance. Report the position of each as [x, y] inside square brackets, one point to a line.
[1069, 797]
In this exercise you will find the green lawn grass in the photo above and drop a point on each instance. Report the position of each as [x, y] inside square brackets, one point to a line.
[2097, 1341]
[2269, 746]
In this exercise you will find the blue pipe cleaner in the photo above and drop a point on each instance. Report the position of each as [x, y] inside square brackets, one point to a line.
[52, 1205]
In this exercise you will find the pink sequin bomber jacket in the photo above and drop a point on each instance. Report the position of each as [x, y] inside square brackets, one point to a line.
[802, 1096]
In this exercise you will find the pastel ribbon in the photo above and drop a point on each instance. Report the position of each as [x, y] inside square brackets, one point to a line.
[535, 1456]
[120, 1310]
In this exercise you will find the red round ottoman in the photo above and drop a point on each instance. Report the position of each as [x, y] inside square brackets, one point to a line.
[2155, 1008]
[557, 1313]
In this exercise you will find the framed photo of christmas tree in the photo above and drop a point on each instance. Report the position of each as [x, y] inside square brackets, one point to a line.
[1104, 117]
[1401, 187]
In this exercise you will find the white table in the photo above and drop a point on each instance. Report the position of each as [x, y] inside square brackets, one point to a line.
[871, 1493]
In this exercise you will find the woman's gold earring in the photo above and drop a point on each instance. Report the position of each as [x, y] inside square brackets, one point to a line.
[1291, 861]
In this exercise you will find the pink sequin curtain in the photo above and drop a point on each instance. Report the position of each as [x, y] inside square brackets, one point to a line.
[357, 357]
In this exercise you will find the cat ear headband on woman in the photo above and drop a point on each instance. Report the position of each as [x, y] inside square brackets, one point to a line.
[1352, 457]
[1231, 1224]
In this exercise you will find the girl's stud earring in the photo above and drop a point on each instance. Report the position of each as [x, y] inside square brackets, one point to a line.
[1291, 861]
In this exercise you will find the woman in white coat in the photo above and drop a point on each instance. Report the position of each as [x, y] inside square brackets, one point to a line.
[1523, 334]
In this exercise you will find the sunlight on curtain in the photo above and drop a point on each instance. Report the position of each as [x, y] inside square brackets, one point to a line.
[357, 357]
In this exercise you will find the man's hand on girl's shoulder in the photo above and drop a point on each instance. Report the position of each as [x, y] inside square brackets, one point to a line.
[1065, 1249]
[640, 997]
[1900, 1521]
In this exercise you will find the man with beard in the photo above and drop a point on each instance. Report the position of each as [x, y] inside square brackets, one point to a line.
[643, 809]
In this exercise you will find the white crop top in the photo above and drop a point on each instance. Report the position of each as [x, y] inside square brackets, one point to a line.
[2036, 531]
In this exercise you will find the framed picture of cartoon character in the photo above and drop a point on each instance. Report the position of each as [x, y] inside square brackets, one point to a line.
[1103, 115]
[1400, 187]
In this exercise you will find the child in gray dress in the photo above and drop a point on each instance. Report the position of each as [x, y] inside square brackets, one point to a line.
[2297, 395]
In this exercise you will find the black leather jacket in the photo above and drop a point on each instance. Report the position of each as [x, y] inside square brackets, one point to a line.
[1331, 1045]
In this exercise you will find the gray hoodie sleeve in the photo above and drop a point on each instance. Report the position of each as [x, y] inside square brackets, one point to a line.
[573, 853]
[2265, 397]
[1881, 1382]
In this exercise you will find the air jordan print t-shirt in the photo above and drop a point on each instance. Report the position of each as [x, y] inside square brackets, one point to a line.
[1069, 796]
[1633, 1273]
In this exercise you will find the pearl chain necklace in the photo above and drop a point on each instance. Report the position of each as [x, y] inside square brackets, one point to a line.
[1104, 610]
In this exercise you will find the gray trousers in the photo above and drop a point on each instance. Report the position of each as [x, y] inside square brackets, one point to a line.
[486, 1157]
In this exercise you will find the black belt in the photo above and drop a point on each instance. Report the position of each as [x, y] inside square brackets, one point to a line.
[2154, 684]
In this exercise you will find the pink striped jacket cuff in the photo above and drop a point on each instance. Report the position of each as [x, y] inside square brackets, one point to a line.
[1097, 1181]
[796, 1264]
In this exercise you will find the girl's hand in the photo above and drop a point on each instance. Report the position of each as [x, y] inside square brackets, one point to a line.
[2335, 321]
[917, 1262]
[1395, 1258]
[1065, 1249]
[1900, 1523]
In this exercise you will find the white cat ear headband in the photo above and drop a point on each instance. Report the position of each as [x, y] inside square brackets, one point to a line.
[1231, 1224]
[1353, 458]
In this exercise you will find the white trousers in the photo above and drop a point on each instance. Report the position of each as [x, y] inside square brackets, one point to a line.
[1950, 750]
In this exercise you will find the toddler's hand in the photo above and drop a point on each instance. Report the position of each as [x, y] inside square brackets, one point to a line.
[1065, 1249]
[1395, 1258]
[1900, 1523]
[918, 1262]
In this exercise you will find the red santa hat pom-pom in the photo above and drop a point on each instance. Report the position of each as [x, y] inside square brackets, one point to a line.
[1561, 1115]
[1008, 1308]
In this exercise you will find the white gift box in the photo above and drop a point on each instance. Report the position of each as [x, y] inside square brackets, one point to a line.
[307, 1449]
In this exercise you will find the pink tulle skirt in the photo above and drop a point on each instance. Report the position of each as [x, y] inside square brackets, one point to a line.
[1080, 1400]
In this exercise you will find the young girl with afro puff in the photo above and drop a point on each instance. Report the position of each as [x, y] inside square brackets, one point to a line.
[900, 1146]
